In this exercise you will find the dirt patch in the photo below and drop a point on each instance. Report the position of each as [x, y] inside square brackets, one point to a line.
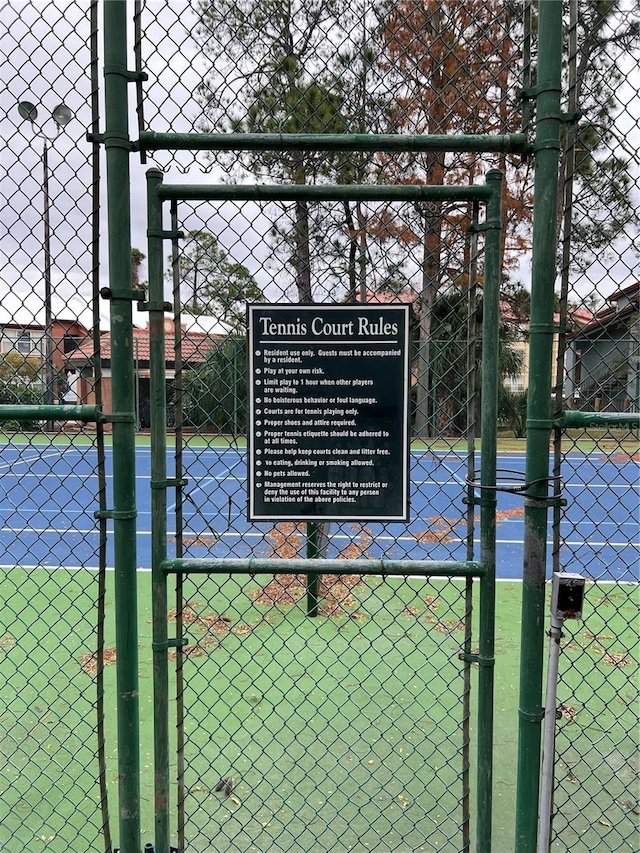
[7, 641]
[621, 457]
[89, 662]
[334, 592]
[450, 625]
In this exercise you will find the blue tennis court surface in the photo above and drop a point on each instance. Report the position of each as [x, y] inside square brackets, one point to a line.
[48, 500]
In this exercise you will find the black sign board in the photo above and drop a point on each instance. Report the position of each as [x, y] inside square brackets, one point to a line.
[329, 412]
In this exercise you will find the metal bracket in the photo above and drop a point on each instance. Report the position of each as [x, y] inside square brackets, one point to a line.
[167, 484]
[119, 418]
[170, 643]
[155, 306]
[116, 514]
[487, 502]
[479, 659]
[532, 716]
[165, 235]
[544, 503]
[487, 225]
[529, 92]
[133, 295]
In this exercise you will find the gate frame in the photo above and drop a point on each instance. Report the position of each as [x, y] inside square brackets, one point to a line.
[118, 149]
[157, 193]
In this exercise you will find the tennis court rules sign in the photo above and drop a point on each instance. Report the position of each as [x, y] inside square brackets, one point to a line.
[329, 392]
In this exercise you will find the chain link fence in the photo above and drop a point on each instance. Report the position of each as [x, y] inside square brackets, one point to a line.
[597, 769]
[53, 550]
[354, 729]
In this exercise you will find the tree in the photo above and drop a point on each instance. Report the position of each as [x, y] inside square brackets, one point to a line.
[279, 52]
[215, 392]
[600, 202]
[452, 65]
[20, 384]
[216, 285]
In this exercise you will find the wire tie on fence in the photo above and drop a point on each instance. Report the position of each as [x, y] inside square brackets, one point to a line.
[168, 484]
[116, 514]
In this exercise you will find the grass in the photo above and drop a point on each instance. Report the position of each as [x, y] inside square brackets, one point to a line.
[593, 440]
[337, 732]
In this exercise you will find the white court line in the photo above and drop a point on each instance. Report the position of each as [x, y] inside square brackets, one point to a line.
[143, 570]
[231, 534]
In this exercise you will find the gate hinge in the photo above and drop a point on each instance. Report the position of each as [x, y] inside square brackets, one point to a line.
[133, 295]
[165, 235]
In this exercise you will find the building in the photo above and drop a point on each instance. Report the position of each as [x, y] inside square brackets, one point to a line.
[603, 356]
[197, 339]
[28, 344]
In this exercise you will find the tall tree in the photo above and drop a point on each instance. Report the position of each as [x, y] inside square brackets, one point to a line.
[602, 206]
[215, 285]
[279, 53]
[451, 64]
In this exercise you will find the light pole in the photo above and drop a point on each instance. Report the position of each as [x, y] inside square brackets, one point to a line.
[61, 115]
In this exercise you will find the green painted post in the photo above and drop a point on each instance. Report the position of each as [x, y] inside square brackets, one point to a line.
[489, 426]
[539, 425]
[313, 579]
[116, 139]
[158, 393]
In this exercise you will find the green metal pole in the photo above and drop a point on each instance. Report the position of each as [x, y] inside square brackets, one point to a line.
[313, 579]
[299, 566]
[539, 424]
[323, 192]
[489, 427]
[508, 143]
[158, 394]
[29, 412]
[117, 146]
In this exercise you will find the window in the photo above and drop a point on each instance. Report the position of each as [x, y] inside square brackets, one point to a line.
[23, 343]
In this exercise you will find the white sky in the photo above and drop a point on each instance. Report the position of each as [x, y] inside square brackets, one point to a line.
[46, 56]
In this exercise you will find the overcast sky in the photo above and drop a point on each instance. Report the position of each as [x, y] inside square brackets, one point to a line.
[45, 49]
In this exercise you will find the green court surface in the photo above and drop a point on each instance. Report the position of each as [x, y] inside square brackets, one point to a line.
[327, 725]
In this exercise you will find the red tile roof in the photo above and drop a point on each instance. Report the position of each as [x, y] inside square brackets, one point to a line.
[195, 346]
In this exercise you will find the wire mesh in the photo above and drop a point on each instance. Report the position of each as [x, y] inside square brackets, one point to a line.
[409, 68]
[318, 733]
[597, 784]
[53, 550]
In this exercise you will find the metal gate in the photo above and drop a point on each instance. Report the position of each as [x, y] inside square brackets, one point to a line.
[334, 681]
[332, 715]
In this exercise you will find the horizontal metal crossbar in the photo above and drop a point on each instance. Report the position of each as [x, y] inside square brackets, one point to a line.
[575, 419]
[511, 143]
[32, 412]
[399, 568]
[328, 192]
